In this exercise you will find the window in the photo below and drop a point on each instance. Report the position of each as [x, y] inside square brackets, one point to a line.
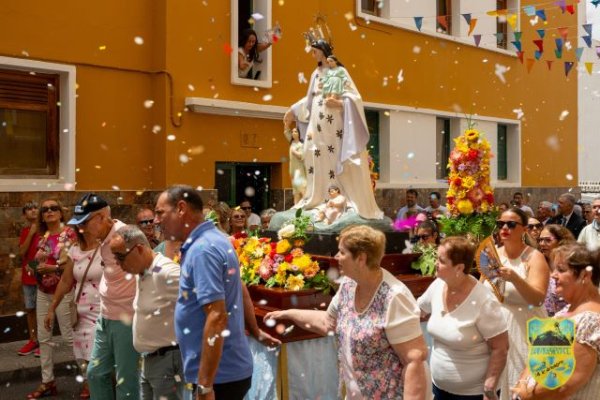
[442, 142]
[29, 124]
[251, 23]
[501, 26]
[502, 152]
[372, 7]
[238, 181]
[372, 117]
[444, 13]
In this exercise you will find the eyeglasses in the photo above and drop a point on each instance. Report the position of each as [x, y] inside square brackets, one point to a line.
[84, 223]
[238, 216]
[535, 226]
[246, 208]
[122, 256]
[51, 208]
[423, 237]
[146, 222]
[546, 240]
[510, 224]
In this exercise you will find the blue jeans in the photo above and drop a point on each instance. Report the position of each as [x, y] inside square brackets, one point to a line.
[158, 377]
[113, 353]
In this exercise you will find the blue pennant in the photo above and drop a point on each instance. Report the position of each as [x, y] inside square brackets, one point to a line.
[587, 28]
[542, 32]
[517, 45]
[419, 22]
[538, 54]
[588, 39]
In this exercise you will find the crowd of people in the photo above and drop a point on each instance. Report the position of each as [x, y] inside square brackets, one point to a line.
[157, 310]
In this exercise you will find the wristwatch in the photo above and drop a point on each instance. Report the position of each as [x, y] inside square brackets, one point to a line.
[202, 390]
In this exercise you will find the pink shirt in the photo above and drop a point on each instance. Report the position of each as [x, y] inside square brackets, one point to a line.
[117, 287]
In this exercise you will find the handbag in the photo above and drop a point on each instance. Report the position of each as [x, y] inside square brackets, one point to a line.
[73, 305]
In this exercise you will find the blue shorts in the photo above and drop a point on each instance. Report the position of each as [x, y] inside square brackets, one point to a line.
[29, 296]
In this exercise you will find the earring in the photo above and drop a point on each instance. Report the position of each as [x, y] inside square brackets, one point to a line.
[524, 238]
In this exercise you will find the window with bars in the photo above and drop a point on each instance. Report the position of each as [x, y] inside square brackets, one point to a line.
[502, 152]
[29, 121]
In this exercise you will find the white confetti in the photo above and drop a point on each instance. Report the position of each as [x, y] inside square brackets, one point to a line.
[400, 77]
[553, 143]
[270, 322]
[148, 103]
[267, 97]
[519, 112]
[569, 177]
[257, 16]
[138, 40]
[183, 158]
[156, 129]
[250, 191]
[500, 71]
[301, 77]
[115, 187]
[171, 138]
[191, 87]
[226, 333]
[416, 49]
[563, 115]
[410, 155]
[79, 378]
[19, 314]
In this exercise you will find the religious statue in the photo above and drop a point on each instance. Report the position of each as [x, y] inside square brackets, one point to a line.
[335, 137]
[333, 208]
[334, 80]
[297, 170]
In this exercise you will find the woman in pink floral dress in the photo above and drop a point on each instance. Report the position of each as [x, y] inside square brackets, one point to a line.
[375, 317]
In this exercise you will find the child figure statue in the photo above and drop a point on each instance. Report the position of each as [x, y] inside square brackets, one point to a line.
[334, 80]
[333, 208]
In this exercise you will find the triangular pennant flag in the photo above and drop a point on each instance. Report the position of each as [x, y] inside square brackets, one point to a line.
[564, 32]
[520, 55]
[542, 14]
[558, 53]
[587, 40]
[540, 44]
[598, 51]
[538, 55]
[559, 43]
[472, 26]
[518, 35]
[530, 62]
[589, 66]
[477, 38]
[595, 2]
[467, 18]
[419, 22]
[549, 64]
[517, 45]
[443, 21]
[494, 13]
[512, 21]
[562, 5]
[529, 10]
[541, 33]
[571, 9]
[578, 53]
[587, 28]
[568, 66]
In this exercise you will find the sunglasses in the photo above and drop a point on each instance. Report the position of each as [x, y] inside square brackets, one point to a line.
[422, 237]
[545, 240]
[51, 208]
[238, 216]
[509, 224]
[535, 226]
[246, 208]
[146, 222]
[122, 256]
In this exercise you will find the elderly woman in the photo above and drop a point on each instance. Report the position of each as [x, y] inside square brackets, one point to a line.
[238, 221]
[470, 342]
[381, 348]
[577, 275]
[550, 238]
[526, 274]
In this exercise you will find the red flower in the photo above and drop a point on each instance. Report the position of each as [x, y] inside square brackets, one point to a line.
[450, 200]
[457, 181]
[288, 258]
[489, 197]
[240, 235]
[472, 155]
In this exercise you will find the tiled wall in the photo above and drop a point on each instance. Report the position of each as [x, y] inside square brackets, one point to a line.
[125, 204]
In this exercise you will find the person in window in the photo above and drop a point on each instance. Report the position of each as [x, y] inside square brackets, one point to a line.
[248, 53]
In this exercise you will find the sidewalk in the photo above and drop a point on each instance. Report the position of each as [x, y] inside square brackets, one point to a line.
[14, 367]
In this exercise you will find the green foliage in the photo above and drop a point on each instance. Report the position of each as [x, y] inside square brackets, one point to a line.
[302, 225]
[320, 282]
[476, 225]
[427, 260]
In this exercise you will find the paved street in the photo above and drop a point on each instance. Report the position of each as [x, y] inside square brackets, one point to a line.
[68, 388]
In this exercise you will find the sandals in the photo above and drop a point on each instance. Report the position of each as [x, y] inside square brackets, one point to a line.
[44, 390]
[85, 391]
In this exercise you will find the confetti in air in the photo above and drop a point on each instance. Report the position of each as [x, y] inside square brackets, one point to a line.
[500, 71]
[138, 40]
[563, 115]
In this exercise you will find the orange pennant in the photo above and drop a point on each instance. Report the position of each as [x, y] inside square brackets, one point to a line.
[589, 66]
[549, 64]
[520, 55]
[564, 32]
[472, 26]
[530, 62]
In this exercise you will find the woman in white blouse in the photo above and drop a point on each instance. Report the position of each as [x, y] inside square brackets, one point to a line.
[468, 328]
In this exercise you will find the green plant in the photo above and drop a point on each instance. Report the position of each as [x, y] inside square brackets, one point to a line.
[477, 225]
[427, 260]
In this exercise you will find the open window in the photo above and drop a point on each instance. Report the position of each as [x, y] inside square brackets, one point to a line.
[251, 23]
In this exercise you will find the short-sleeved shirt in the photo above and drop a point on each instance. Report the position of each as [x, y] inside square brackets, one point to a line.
[369, 365]
[460, 354]
[49, 248]
[26, 277]
[154, 305]
[117, 287]
[405, 210]
[210, 272]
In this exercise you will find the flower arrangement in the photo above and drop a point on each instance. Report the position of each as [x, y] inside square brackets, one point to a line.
[283, 263]
[470, 198]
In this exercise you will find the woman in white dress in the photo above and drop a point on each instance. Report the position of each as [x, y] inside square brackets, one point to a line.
[335, 141]
[526, 274]
[81, 256]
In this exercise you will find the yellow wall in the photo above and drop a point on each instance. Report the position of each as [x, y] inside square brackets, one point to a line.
[444, 75]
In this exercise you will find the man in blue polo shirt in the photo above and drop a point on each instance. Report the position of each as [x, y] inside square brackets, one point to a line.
[209, 315]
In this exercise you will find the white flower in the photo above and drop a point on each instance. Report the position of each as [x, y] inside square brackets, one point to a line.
[286, 232]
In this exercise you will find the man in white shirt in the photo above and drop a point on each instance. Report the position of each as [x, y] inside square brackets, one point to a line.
[435, 206]
[153, 328]
[252, 220]
[590, 235]
[411, 207]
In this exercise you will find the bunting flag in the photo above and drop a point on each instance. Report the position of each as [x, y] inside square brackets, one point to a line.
[530, 62]
[564, 32]
[529, 10]
[472, 26]
[558, 53]
[571, 9]
[540, 44]
[542, 14]
[517, 45]
[467, 18]
[595, 2]
[578, 53]
[541, 33]
[587, 28]
[562, 5]
[568, 66]
[512, 21]
[418, 22]
[518, 35]
[520, 55]
[589, 66]
[587, 40]
[549, 62]
[559, 44]
[538, 55]
[443, 21]
[477, 38]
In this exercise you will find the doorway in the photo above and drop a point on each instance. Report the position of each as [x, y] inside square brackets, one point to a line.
[237, 181]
